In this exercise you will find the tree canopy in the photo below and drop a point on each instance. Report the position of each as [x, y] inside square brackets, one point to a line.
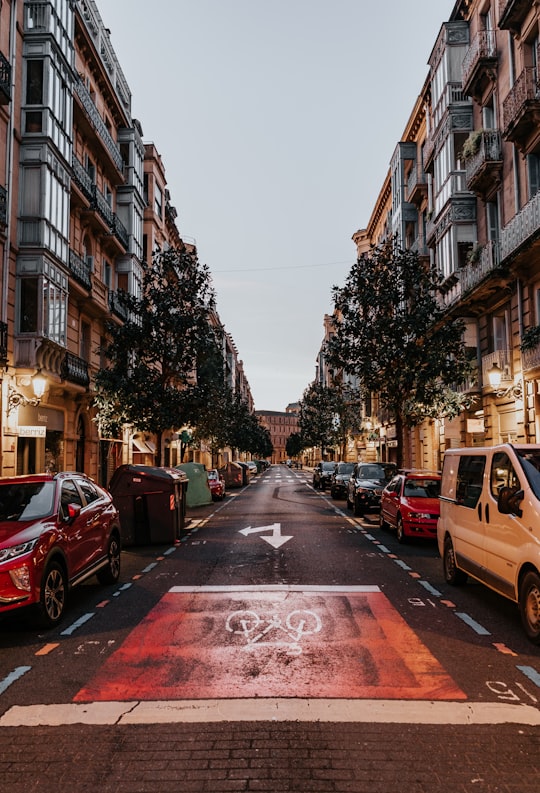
[152, 357]
[393, 333]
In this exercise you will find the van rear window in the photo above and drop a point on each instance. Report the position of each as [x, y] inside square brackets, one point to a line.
[469, 480]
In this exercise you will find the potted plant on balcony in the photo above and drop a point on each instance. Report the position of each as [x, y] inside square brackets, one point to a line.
[530, 338]
[473, 257]
[472, 144]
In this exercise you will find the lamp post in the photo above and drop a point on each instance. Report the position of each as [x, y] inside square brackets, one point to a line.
[16, 399]
[495, 375]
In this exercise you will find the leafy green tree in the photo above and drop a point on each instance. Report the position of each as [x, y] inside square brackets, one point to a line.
[152, 357]
[294, 444]
[318, 418]
[394, 334]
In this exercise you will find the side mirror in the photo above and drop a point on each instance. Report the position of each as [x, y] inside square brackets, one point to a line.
[509, 501]
[71, 511]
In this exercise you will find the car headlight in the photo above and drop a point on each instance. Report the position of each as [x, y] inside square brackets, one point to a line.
[420, 516]
[6, 554]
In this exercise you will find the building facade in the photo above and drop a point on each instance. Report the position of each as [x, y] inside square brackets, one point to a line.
[463, 190]
[280, 425]
[83, 203]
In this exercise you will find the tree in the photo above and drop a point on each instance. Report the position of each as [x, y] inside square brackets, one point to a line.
[152, 357]
[294, 444]
[317, 419]
[394, 334]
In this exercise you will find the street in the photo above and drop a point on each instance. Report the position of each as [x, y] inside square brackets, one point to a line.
[281, 645]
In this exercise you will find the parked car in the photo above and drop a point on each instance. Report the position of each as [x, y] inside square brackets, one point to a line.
[410, 504]
[216, 483]
[489, 526]
[340, 480]
[55, 532]
[366, 484]
[322, 475]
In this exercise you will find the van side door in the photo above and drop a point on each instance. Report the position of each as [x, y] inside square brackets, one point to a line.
[466, 519]
[505, 534]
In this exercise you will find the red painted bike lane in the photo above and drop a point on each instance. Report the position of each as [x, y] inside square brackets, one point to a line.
[273, 641]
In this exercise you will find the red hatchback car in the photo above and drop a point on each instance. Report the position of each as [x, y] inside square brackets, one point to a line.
[56, 530]
[410, 504]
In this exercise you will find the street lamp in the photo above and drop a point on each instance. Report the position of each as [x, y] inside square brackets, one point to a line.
[16, 399]
[494, 375]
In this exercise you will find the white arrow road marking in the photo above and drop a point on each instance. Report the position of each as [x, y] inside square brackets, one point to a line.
[276, 539]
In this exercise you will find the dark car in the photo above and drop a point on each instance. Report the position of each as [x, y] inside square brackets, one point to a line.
[56, 530]
[340, 480]
[366, 484]
[410, 504]
[322, 475]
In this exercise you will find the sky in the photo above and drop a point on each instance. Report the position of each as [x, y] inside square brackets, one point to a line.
[276, 121]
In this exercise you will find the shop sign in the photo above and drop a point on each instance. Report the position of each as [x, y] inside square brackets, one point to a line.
[32, 432]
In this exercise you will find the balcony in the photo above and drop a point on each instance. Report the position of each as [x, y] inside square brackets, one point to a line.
[483, 169]
[98, 125]
[3, 343]
[416, 185]
[3, 207]
[485, 274]
[523, 230]
[512, 14]
[117, 307]
[521, 111]
[479, 68]
[5, 80]
[80, 269]
[530, 359]
[74, 370]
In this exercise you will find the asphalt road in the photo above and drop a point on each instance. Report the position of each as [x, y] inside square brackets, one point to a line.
[282, 645]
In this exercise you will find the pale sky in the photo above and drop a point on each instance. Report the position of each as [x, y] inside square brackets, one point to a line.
[276, 121]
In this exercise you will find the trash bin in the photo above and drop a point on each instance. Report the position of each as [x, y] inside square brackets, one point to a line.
[151, 502]
[233, 474]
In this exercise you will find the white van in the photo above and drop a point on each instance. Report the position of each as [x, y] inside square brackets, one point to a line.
[489, 526]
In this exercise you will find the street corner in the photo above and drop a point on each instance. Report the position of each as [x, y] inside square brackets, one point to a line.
[205, 643]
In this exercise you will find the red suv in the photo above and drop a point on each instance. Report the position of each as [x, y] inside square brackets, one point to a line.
[56, 530]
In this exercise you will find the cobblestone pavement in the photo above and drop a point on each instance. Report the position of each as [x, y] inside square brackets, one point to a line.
[308, 758]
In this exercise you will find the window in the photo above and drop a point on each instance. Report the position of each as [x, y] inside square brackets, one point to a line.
[469, 480]
[503, 474]
[89, 491]
[43, 306]
[69, 495]
[85, 341]
[34, 82]
[158, 201]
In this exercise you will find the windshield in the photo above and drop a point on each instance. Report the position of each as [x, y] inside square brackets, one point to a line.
[345, 468]
[26, 500]
[422, 488]
[530, 462]
[328, 466]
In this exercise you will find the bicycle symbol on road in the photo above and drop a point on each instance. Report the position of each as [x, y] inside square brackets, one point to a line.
[254, 628]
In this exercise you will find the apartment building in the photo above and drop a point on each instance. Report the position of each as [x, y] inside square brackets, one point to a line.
[463, 190]
[83, 203]
[280, 425]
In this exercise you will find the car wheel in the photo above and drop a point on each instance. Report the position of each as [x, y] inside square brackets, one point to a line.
[349, 502]
[52, 599]
[358, 510]
[529, 605]
[400, 531]
[452, 574]
[111, 573]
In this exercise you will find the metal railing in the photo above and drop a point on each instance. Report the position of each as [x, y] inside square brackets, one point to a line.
[75, 370]
[473, 274]
[522, 228]
[525, 89]
[489, 150]
[482, 46]
[80, 269]
[98, 124]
